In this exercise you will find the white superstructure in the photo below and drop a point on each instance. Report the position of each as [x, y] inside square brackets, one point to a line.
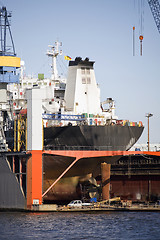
[34, 119]
[82, 93]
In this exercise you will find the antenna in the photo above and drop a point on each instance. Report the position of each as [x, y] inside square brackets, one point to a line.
[53, 53]
[133, 40]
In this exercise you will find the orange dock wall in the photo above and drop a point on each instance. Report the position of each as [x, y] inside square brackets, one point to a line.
[34, 178]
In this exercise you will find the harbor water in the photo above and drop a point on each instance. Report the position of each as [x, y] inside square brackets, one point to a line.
[109, 225]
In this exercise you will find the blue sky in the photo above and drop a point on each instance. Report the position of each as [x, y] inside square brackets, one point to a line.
[102, 31]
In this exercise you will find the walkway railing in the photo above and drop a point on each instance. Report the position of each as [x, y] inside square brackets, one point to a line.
[83, 148]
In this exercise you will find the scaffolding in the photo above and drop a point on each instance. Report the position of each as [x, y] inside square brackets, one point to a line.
[20, 134]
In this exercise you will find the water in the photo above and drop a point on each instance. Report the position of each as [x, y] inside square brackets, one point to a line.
[112, 225]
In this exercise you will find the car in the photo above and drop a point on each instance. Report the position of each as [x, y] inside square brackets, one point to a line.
[78, 204]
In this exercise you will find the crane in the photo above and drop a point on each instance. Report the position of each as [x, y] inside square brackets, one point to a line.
[8, 65]
[5, 25]
[8, 60]
[155, 9]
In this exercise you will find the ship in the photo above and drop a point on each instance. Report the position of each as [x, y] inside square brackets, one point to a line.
[74, 118]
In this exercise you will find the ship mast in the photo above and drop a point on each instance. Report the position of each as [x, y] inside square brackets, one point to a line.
[53, 53]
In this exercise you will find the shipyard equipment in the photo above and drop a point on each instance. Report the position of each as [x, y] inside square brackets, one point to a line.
[155, 9]
[8, 65]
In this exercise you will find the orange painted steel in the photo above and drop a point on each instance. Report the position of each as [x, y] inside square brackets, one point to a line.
[86, 154]
[83, 154]
[34, 167]
[34, 178]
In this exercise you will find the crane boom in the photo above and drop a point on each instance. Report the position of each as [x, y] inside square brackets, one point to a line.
[5, 49]
[155, 9]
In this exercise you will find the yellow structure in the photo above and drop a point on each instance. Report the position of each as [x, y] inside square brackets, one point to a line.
[9, 61]
[20, 134]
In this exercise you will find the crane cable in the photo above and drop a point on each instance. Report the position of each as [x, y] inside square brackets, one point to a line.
[139, 7]
[133, 36]
[141, 23]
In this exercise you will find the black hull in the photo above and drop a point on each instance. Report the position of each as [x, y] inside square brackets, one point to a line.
[112, 137]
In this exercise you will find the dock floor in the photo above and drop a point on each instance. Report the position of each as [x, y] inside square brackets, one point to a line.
[56, 208]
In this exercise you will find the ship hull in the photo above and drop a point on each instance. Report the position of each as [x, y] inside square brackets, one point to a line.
[111, 137]
[54, 165]
[67, 189]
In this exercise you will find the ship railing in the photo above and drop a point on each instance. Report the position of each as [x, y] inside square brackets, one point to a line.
[79, 148]
[62, 117]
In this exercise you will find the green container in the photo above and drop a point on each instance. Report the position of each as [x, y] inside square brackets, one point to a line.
[40, 76]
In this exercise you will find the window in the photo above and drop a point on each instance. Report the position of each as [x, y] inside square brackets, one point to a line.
[88, 80]
[83, 81]
[88, 70]
[82, 70]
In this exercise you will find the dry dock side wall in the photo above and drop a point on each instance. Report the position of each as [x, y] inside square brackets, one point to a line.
[136, 178]
[11, 196]
[136, 188]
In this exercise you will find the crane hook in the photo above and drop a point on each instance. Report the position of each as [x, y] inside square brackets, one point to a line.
[141, 39]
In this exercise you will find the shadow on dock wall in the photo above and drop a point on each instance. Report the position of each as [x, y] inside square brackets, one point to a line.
[11, 195]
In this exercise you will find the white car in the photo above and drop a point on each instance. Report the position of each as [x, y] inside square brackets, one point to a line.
[78, 204]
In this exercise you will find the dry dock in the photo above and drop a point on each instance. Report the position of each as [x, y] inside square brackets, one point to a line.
[56, 208]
